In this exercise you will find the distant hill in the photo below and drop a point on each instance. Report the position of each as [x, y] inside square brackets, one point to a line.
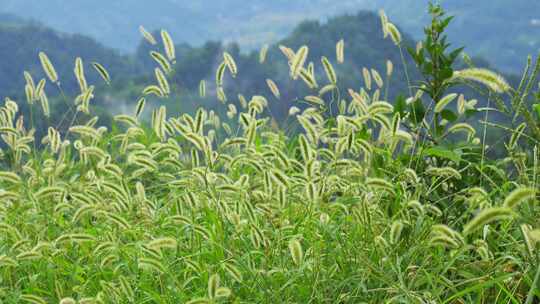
[362, 34]
[10, 19]
[23, 42]
[115, 23]
[364, 47]
[504, 31]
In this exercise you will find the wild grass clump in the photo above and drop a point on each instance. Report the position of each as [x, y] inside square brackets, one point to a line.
[367, 201]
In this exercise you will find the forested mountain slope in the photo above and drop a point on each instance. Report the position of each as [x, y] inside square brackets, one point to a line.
[256, 22]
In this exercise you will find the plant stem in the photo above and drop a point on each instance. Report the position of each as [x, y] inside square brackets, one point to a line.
[534, 286]
[406, 70]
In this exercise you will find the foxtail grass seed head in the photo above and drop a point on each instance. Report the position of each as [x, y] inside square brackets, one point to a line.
[79, 74]
[151, 264]
[288, 52]
[68, 301]
[389, 68]
[32, 299]
[147, 36]
[530, 243]
[40, 88]
[293, 111]
[231, 64]
[213, 285]
[262, 53]
[487, 216]
[381, 184]
[461, 104]
[162, 61]
[377, 77]
[518, 196]
[160, 243]
[534, 235]
[419, 47]
[486, 77]
[233, 271]
[202, 88]
[168, 44]
[220, 72]
[324, 218]
[162, 81]
[45, 105]
[367, 78]
[29, 80]
[30, 94]
[273, 88]
[384, 22]
[340, 53]
[297, 63]
[221, 95]
[329, 70]
[102, 72]
[395, 232]
[295, 249]
[441, 105]
[394, 33]
[140, 106]
[48, 68]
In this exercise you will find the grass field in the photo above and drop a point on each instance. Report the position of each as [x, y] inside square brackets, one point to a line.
[364, 201]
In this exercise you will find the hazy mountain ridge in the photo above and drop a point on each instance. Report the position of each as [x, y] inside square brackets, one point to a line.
[25, 41]
[364, 47]
[256, 22]
[115, 23]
